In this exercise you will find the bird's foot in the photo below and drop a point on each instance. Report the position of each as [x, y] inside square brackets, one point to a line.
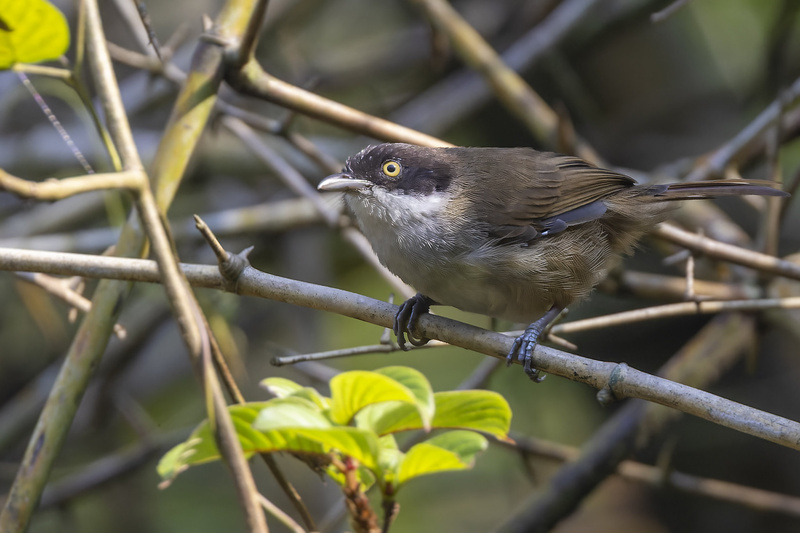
[522, 349]
[405, 321]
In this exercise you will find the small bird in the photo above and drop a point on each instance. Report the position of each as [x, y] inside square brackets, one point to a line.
[511, 233]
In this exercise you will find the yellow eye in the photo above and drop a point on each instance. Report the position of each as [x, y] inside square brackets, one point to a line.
[391, 168]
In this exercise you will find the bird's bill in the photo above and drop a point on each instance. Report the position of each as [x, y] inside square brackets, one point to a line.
[342, 182]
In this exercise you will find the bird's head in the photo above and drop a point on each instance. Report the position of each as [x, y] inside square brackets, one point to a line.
[398, 169]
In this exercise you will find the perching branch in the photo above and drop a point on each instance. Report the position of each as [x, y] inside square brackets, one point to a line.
[619, 380]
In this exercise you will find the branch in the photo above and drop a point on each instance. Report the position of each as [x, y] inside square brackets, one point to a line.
[619, 380]
[678, 309]
[728, 252]
[60, 289]
[57, 189]
[717, 162]
[254, 81]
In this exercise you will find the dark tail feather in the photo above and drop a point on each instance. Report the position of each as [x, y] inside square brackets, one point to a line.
[712, 189]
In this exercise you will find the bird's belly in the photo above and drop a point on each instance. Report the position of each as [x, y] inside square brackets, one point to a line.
[508, 282]
[490, 296]
[473, 286]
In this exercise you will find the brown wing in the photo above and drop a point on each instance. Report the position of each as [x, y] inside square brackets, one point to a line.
[551, 192]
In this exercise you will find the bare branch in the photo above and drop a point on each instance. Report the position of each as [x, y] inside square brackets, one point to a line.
[734, 254]
[253, 80]
[619, 380]
[56, 189]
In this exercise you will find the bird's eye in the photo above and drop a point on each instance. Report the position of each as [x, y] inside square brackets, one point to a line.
[391, 168]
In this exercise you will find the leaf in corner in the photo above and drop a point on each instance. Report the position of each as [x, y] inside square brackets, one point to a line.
[31, 31]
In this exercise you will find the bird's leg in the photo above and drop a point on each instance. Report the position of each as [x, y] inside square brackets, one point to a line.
[405, 321]
[523, 346]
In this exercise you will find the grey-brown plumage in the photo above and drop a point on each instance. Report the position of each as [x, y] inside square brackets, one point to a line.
[507, 232]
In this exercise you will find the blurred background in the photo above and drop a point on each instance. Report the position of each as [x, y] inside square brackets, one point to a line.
[649, 96]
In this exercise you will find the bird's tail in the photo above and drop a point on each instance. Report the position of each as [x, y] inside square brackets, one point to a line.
[711, 189]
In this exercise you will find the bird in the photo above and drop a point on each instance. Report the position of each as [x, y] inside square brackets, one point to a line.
[511, 233]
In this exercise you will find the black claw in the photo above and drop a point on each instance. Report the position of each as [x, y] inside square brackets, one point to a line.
[405, 321]
[523, 346]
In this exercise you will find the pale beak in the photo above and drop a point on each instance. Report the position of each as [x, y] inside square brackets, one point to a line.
[342, 182]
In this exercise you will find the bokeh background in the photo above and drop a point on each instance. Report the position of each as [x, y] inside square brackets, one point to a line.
[650, 97]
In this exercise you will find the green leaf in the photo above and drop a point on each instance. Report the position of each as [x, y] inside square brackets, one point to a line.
[419, 386]
[478, 410]
[200, 446]
[465, 444]
[310, 433]
[290, 412]
[353, 391]
[389, 417]
[423, 459]
[280, 387]
[285, 388]
[31, 31]
[296, 420]
[454, 450]
[359, 444]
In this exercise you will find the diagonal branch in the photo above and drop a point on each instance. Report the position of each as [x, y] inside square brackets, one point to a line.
[618, 380]
[728, 252]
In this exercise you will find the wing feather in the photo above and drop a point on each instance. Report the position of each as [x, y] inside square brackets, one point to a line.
[548, 189]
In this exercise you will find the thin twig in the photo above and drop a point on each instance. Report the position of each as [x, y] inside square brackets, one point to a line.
[717, 162]
[677, 309]
[734, 254]
[282, 517]
[60, 289]
[661, 287]
[346, 352]
[230, 266]
[660, 16]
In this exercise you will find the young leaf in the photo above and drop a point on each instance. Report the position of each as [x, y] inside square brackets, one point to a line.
[200, 446]
[352, 391]
[290, 412]
[465, 444]
[454, 450]
[477, 410]
[285, 388]
[312, 434]
[359, 444]
[31, 31]
[389, 417]
[419, 386]
[280, 387]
